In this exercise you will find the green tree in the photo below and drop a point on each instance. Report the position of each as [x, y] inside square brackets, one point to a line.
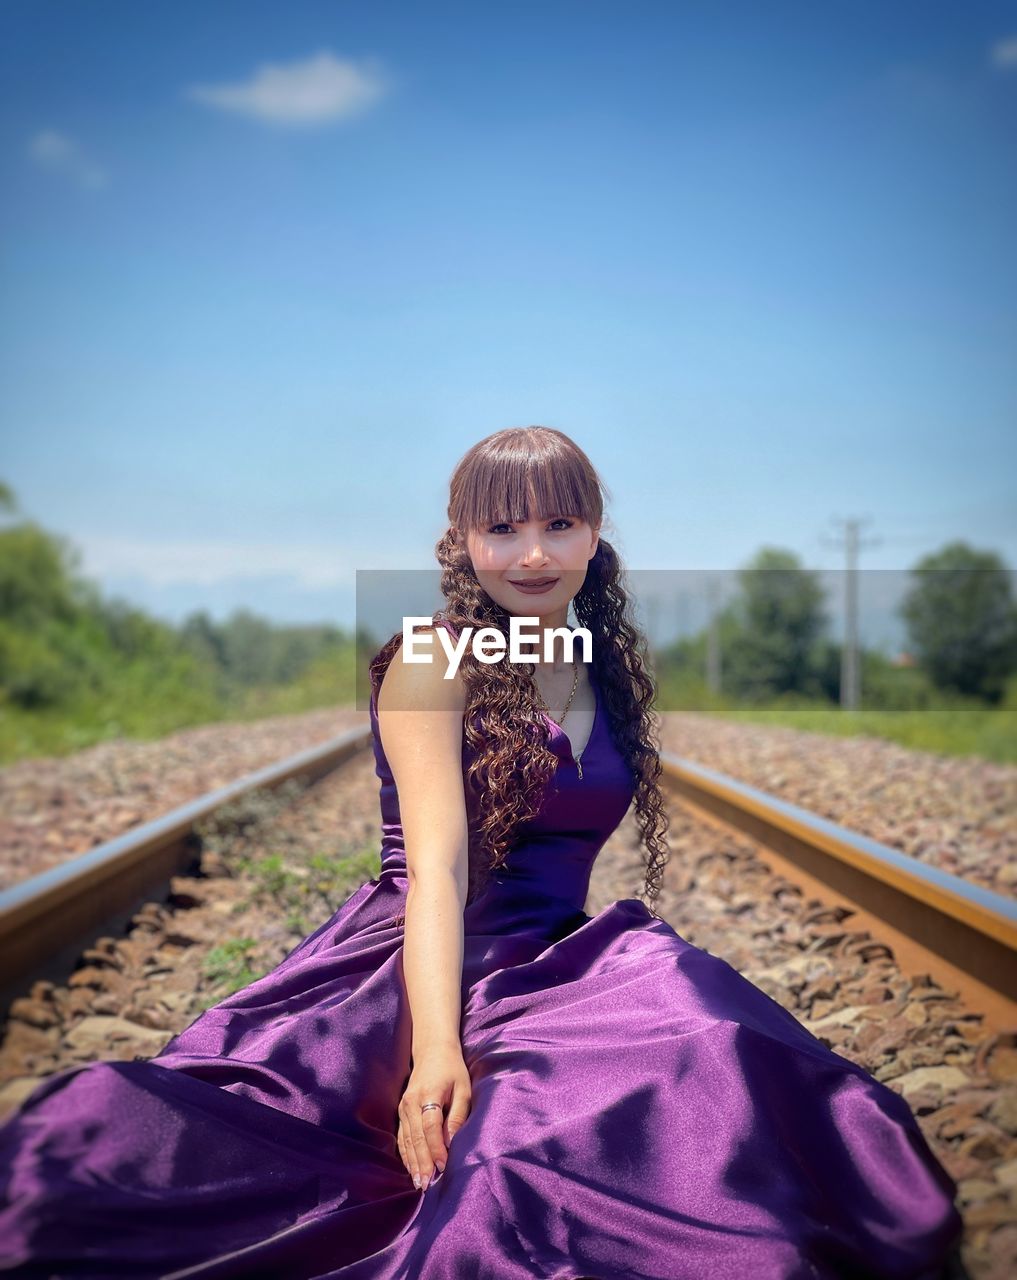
[961, 620]
[203, 638]
[249, 648]
[45, 651]
[36, 576]
[771, 635]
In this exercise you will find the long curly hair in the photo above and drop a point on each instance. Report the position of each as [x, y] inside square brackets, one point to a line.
[495, 481]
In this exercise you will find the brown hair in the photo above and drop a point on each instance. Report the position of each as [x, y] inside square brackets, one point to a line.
[493, 482]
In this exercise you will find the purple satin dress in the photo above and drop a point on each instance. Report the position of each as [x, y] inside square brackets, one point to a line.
[640, 1111]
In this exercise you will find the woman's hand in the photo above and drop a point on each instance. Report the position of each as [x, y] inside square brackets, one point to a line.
[440, 1075]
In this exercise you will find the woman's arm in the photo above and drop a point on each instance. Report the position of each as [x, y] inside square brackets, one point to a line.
[420, 719]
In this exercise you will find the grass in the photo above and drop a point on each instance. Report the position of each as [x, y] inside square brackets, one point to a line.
[257, 843]
[922, 720]
[133, 709]
[226, 966]
[991, 735]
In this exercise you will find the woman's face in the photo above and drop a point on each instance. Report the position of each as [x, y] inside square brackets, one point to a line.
[559, 546]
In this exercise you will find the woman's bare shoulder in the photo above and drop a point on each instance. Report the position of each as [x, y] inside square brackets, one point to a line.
[423, 685]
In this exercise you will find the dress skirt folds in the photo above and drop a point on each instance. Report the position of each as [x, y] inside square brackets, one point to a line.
[640, 1111]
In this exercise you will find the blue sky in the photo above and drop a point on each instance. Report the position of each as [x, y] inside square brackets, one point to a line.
[268, 271]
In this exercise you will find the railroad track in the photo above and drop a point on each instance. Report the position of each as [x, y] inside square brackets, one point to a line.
[47, 920]
[962, 934]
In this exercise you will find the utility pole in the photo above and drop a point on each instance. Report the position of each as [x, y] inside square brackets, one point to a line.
[652, 616]
[713, 659]
[681, 614]
[850, 671]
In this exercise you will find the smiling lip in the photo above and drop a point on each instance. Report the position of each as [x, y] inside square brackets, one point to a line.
[535, 584]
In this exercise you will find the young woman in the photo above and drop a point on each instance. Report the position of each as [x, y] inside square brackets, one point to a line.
[461, 1075]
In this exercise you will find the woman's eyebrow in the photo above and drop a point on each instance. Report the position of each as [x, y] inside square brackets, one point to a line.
[558, 516]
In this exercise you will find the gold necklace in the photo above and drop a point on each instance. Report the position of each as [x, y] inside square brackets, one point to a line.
[575, 685]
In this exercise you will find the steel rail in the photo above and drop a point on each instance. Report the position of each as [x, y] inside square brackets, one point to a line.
[961, 933]
[46, 920]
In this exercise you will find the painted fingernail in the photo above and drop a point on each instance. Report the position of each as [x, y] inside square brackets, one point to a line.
[416, 1180]
[441, 1167]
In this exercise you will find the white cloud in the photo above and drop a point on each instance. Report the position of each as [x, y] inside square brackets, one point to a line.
[1004, 52]
[318, 89]
[59, 154]
[209, 563]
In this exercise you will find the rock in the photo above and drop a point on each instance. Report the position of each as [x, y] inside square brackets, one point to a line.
[845, 1016]
[78, 1001]
[975, 1189]
[107, 1002]
[956, 1119]
[944, 1079]
[95, 1036]
[23, 1040]
[986, 1213]
[1006, 876]
[34, 1012]
[89, 976]
[997, 1056]
[213, 864]
[189, 891]
[101, 958]
[916, 1013]
[985, 1142]
[1003, 1111]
